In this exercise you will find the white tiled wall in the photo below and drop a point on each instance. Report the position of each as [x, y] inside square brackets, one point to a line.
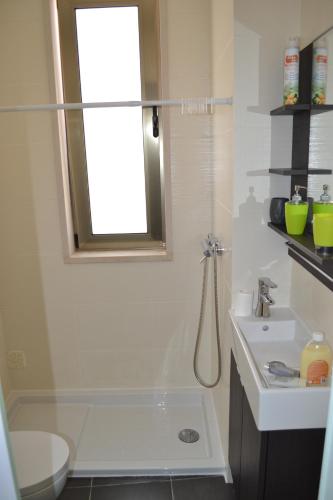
[99, 325]
[261, 30]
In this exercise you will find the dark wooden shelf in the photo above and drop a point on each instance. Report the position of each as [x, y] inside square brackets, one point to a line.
[293, 109]
[305, 243]
[302, 249]
[294, 171]
[290, 109]
[321, 108]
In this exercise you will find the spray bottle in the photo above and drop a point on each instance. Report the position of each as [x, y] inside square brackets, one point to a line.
[291, 72]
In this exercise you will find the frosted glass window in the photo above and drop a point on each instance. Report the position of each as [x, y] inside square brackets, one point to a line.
[109, 61]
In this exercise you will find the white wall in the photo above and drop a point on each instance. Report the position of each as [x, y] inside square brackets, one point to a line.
[312, 301]
[261, 30]
[98, 325]
[317, 17]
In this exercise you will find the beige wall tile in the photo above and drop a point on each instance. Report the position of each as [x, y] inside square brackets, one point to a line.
[125, 325]
[136, 368]
[312, 301]
[4, 373]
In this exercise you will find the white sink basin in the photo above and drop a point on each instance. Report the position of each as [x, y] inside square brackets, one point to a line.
[278, 338]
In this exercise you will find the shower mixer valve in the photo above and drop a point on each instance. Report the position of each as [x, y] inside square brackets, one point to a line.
[211, 245]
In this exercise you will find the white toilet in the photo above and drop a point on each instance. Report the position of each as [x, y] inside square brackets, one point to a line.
[42, 462]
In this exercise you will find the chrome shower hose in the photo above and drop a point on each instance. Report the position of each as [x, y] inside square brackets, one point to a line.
[217, 325]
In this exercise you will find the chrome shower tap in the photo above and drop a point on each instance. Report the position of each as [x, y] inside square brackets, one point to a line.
[211, 246]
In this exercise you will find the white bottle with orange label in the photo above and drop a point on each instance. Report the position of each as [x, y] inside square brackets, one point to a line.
[291, 72]
[316, 361]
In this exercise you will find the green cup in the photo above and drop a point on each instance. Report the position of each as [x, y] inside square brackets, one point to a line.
[323, 230]
[296, 215]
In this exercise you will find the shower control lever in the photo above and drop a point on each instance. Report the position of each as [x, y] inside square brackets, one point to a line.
[211, 246]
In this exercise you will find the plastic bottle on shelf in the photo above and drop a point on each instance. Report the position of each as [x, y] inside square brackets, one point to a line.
[316, 360]
[291, 72]
[319, 71]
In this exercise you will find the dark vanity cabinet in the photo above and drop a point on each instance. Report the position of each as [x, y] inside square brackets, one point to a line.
[270, 465]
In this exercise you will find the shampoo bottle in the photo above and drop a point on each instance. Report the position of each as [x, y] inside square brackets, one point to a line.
[291, 72]
[316, 360]
[319, 72]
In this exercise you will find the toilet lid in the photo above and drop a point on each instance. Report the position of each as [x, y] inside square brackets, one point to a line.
[40, 459]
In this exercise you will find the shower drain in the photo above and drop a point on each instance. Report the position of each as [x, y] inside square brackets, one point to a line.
[189, 436]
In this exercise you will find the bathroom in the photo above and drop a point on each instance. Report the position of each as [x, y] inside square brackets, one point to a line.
[99, 348]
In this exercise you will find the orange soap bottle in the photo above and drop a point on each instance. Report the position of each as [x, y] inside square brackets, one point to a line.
[316, 360]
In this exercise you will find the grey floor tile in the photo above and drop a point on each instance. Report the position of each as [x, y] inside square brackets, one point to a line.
[205, 488]
[120, 480]
[156, 490]
[78, 482]
[75, 494]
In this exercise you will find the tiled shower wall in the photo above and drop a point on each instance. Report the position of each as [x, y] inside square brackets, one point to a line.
[223, 84]
[99, 325]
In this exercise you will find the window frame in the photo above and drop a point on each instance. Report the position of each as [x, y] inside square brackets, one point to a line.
[84, 240]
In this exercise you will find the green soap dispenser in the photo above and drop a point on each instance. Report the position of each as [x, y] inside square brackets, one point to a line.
[325, 205]
[296, 212]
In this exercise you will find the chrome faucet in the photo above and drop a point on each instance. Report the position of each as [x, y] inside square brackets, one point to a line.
[264, 298]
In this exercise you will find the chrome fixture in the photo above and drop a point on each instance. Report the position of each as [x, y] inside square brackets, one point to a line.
[211, 248]
[264, 298]
[189, 436]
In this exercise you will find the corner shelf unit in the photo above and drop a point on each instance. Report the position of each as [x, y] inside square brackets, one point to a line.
[302, 248]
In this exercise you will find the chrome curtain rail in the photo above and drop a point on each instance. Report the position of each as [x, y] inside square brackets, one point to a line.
[210, 101]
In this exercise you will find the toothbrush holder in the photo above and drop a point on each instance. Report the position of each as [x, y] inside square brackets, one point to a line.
[296, 217]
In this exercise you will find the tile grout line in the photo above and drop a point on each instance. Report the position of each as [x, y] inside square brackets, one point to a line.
[91, 483]
[172, 492]
[110, 485]
[197, 478]
[77, 487]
